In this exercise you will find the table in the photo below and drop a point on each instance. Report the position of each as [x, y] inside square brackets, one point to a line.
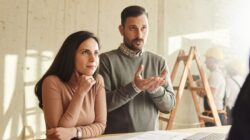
[177, 134]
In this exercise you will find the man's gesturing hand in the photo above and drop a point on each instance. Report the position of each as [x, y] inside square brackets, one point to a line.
[159, 81]
[150, 83]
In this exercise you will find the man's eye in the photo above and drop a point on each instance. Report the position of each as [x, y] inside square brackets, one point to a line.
[133, 28]
[144, 28]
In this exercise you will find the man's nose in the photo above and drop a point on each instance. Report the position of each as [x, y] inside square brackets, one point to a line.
[139, 33]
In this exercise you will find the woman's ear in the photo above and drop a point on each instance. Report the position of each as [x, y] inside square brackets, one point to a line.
[121, 29]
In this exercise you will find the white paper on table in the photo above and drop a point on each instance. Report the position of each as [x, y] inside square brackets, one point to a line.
[160, 135]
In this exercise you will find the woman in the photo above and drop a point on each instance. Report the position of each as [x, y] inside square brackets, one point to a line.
[71, 93]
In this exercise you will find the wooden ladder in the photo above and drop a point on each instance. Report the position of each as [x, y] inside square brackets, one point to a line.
[186, 75]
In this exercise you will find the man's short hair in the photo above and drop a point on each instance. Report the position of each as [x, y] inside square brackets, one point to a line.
[132, 11]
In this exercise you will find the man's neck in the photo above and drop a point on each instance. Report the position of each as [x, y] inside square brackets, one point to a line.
[132, 48]
[130, 52]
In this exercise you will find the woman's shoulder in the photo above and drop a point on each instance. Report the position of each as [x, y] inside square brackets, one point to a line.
[99, 78]
[52, 79]
[99, 81]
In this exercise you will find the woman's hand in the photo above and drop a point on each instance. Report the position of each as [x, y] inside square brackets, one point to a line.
[84, 83]
[61, 133]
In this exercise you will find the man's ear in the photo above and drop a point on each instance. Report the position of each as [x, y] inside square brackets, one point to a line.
[121, 29]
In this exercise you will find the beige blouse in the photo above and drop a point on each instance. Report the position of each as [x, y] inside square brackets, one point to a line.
[63, 108]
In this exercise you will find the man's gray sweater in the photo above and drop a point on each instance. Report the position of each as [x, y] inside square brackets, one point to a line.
[129, 111]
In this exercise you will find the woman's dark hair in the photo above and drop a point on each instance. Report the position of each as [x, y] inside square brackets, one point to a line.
[63, 65]
[132, 11]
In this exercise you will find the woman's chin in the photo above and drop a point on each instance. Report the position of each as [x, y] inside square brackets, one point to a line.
[88, 73]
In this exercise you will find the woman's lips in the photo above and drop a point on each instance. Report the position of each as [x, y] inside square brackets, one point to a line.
[91, 66]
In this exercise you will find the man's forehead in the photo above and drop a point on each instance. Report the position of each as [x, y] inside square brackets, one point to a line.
[139, 20]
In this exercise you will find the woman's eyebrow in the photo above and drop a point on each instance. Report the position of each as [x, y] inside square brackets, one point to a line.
[84, 49]
[88, 50]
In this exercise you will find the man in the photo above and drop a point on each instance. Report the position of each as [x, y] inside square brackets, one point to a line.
[137, 82]
[216, 80]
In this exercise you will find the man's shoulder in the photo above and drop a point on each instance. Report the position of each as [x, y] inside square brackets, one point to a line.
[218, 73]
[153, 55]
[111, 53]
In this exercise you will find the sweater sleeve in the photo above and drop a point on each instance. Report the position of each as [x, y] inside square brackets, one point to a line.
[164, 98]
[99, 125]
[54, 114]
[115, 97]
[56, 117]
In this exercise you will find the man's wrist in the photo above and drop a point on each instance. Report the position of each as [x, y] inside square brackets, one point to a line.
[155, 90]
[135, 87]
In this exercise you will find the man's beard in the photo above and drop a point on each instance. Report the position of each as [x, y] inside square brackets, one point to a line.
[131, 46]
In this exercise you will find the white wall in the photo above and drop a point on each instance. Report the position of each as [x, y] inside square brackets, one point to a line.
[32, 31]
[12, 43]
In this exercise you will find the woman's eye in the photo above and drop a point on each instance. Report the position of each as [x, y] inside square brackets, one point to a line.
[84, 52]
[96, 53]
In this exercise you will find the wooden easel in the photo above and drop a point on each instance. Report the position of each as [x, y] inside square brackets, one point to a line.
[186, 75]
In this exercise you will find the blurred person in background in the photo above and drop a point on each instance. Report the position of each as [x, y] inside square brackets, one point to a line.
[214, 57]
[234, 81]
[241, 113]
